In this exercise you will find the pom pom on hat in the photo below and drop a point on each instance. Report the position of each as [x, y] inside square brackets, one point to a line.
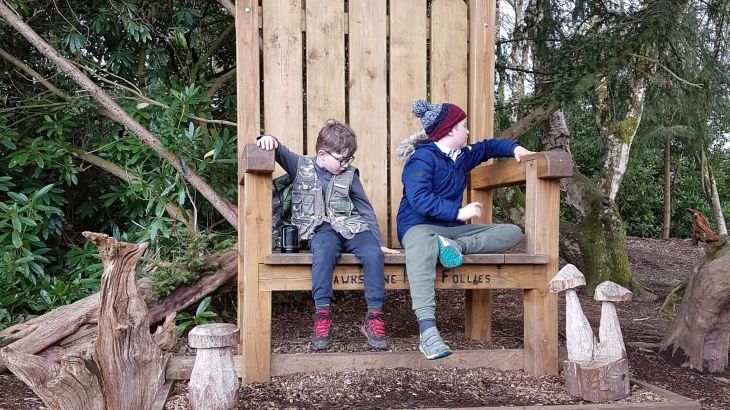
[419, 108]
[437, 119]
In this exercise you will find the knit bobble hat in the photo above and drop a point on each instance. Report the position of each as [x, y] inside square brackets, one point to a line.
[437, 119]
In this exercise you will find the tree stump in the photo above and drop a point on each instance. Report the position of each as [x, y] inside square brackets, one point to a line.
[699, 337]
[597, 381]
[125, 368]
[214, 382]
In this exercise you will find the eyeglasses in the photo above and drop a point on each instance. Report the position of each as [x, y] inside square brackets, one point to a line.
[343, 161]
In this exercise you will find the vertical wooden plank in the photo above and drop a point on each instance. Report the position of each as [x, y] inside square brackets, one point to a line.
[283, 75]
[369, 100]
[247, 79]
[449, 48]
[254, 203]
[481, 122]
[256, 313]
[408, 32]
[325, 66]
[542, 210]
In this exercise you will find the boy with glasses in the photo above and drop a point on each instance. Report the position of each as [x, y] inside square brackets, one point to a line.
[332, 212]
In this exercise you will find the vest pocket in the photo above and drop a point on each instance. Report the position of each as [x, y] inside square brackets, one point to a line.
[307, 204]
[341, 206]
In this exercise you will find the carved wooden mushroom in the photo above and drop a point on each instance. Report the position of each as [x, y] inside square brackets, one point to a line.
[606, 377]
[578, 333]
[214, 381]
[611, 346]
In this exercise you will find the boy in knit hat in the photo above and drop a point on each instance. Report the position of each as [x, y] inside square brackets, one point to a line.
[431, 219]
[332, 212]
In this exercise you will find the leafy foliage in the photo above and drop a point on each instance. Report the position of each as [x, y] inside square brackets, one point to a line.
[202, 316]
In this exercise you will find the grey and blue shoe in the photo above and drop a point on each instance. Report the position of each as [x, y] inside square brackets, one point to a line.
[450, 252]
[431, 344]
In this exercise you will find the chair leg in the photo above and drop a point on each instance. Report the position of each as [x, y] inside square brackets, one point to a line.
[541, 332]
[478, 314]
[255, 346]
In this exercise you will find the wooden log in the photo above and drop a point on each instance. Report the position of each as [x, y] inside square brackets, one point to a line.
[70, 329]
[67, 386]
[214, 381]
[126, 368]
[124, 345]
[597, 381]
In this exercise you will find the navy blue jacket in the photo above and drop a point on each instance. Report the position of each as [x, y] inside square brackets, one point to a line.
[434, 184]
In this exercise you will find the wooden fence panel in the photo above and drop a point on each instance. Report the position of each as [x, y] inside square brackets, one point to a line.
[408, 32]
[325, 66]
[283, 75]
[449, 50]
[368, 100]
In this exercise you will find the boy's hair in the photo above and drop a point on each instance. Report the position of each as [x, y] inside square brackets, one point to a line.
[337, 137]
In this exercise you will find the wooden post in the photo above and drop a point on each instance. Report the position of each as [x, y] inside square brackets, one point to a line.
[478, 314]
[213, 383]
[254, 204]
[542, 217]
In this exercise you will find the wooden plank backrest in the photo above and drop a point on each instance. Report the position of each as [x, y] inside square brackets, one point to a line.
[408, 66]
[321, 61]
[325, 63]
[368, 103]
[282, 72]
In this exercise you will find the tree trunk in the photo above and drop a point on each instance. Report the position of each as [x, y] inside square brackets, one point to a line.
[700, 334]
[221, 204]
[126, 369]
[518, 56]
[667, 221]
[594, 241]
[709, 189]
[69, 329]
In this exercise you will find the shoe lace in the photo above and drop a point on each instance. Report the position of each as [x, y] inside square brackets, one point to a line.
[322, 323]
[376, 324]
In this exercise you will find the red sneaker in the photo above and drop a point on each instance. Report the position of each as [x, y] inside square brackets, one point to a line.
[374, 330]
[322, 338]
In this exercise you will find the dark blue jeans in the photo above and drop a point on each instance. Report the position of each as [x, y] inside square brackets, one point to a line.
[327, 245]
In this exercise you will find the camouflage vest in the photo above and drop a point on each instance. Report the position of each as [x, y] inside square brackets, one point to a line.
[310, 207]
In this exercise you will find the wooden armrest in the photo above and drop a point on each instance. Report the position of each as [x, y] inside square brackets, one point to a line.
[256, 160]
[550, 165]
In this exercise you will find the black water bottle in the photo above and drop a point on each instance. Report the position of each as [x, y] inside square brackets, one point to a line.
[289, 239]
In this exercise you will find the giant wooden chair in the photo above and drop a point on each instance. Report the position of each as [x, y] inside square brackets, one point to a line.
[300, 64]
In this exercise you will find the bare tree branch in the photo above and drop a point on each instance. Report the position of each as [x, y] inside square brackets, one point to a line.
[228, 5]
[33, 73]
[219, 82]
[525, 123]
[221, 204]
[210, 50]
[665, 68]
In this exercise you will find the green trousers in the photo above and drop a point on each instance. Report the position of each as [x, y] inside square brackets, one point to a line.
[421, 251]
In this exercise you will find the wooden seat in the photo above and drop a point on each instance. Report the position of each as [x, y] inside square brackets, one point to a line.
[479, 271]
[309, 79]
[305, 258]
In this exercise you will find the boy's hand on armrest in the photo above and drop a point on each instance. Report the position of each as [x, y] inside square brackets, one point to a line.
[472, 210]
[387, 250]
[521, 152]
[267, 142]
